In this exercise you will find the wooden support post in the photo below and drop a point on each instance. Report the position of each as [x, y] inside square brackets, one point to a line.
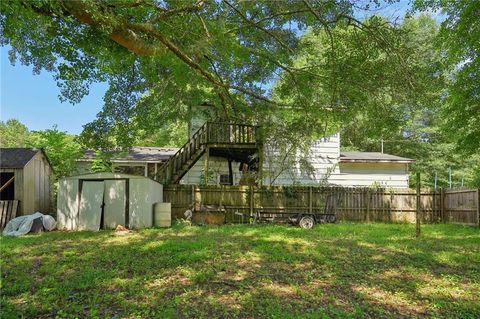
[251, 204]
[222, 193]
[193, 197]
[207, 153]
[230, 172]
[418, 213]
[478, 207]
[260, 165]
[310, 199]
[367, 193]
[169, 174]
[442, 205]
[198, 199]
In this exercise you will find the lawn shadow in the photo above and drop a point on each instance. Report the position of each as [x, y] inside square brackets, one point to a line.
[241, 271]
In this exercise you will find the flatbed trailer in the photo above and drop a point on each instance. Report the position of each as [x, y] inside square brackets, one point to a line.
[302, 218]
[305, 218]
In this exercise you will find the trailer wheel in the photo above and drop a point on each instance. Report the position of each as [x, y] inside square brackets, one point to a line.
[331, 218]
[306, 222]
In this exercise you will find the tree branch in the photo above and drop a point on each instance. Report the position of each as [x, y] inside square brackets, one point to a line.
[256, 25]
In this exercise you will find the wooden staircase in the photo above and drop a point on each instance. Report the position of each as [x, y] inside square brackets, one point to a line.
[210, 136]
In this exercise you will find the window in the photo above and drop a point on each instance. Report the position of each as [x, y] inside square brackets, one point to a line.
[224, 179]
[8, 192]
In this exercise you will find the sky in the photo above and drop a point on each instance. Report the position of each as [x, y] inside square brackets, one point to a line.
[33, 99]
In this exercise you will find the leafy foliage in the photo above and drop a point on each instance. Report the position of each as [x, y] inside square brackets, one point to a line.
[459, 38]
[13, 133]
[161, 58]
[410, 119]
[102, 162]
[60, 147]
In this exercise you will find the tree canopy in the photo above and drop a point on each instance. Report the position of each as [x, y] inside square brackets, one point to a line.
[301, 69]
[60, 147]
[161, 58]
[459, 39]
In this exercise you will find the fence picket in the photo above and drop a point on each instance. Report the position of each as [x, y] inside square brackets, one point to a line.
[354, 204]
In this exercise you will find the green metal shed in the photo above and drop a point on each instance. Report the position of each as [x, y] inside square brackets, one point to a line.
[106, 200]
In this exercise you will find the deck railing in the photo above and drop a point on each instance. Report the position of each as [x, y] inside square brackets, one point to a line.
[210, 133]
[230, 133]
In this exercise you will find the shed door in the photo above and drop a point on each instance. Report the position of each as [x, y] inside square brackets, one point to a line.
[115, 202]
[91, 201]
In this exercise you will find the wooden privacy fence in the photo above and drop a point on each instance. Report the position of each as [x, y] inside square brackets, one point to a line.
[349, 204]
[8, 211]
[461, 206]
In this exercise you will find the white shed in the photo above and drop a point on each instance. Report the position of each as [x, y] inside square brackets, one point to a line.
[105, 200]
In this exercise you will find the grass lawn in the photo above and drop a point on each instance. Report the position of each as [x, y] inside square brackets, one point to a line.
[336, 270]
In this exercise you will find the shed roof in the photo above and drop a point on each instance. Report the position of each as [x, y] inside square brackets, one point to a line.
[105, 175]
[138, 154]
[363, 157]
[16, 157]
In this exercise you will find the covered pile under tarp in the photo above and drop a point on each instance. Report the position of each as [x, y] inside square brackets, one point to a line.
[29, 223]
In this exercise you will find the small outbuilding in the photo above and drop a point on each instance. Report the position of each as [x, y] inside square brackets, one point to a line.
[105, 200]
[25, 176]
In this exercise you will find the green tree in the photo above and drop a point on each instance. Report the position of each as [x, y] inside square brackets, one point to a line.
[170, 135]
[404, 108]
[459, 38]
[102, 162]
[60, 147]
[160, 58]
[13, 133]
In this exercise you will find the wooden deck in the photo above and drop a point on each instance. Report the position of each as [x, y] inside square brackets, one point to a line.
[229, 140]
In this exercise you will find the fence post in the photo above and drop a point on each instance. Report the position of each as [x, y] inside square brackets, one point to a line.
[251, 200]
[442, 205]
[193, 197]
[221, 195]
[368, 204]
[478, 207]
[310, 200]
[417, 215]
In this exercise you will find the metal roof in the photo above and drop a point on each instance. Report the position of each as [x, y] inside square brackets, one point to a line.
[137, 154]
[16, 157]
[363, 157]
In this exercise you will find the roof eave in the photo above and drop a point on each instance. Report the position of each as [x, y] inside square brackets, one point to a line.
[376, 161]
[125, 161]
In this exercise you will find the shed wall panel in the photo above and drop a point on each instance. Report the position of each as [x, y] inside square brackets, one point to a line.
[67, 204]
[29, 188]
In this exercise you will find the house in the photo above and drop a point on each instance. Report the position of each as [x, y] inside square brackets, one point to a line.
[26, 175]
[235, 154]
[371, 168]
[323, 163]
[142, 161]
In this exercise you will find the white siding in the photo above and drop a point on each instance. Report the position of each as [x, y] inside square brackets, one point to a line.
[391, 175]
[216, 166]
[322, 157]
